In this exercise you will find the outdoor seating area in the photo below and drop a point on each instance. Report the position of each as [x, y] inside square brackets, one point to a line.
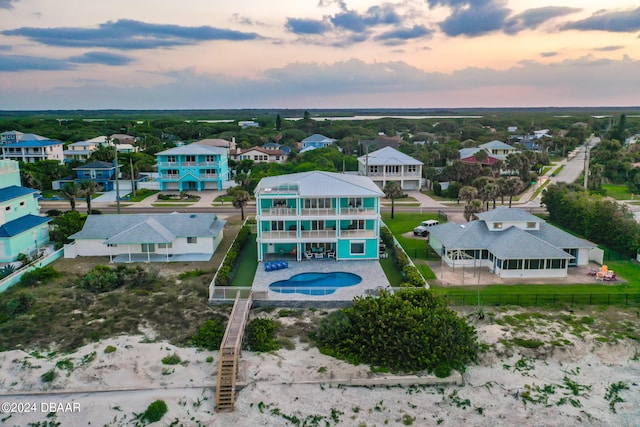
[319, 253]
[603, 275]
[275, 265]
[382, 251]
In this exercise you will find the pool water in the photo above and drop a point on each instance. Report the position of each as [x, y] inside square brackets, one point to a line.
[315, 283]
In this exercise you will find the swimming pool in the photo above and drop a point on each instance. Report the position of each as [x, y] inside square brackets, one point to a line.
[315, 283]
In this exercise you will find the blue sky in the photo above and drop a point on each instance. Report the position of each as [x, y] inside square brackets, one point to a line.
[163, 54]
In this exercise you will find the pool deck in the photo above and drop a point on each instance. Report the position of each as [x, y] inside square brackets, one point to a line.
[372, 278]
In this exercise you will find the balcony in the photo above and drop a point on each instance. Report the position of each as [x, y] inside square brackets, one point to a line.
[350, 234]
[318, 212]
[190, 164]
[357, 211]
[279, 235]
[169, 176]
[209, 176]
[278, 212]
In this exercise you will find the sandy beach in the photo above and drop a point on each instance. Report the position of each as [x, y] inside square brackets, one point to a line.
[580, 380]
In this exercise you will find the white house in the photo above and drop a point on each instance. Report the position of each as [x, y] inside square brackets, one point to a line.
[30, 148]
[149, 237]
[512, 243]
[389, 164]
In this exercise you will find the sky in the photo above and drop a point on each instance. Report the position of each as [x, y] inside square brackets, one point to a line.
[305, 54]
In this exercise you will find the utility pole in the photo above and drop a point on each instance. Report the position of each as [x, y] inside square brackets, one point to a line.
[133, 178]
[586, 166]
[115, 146]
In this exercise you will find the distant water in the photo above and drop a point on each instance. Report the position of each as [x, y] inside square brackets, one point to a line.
[321, 119]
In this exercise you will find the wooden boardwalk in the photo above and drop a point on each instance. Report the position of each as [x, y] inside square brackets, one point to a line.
[230, 350]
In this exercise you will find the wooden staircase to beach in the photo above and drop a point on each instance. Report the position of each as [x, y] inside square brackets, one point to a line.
[229, 354]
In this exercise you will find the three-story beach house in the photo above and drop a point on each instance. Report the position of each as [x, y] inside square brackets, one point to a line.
[312, 215]
[193, 167]
[22, 229]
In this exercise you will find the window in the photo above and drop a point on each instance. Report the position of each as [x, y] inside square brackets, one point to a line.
[374, 169]
[22, 203]
[191, 159]
[112, 245]
[210, 158]
[165, 245]
[317, 203]
[497, 225]
[531, 224]
[8, 208]
[192, 240]
[357, 248]
[277, 225]
[412, 168]
[392, 169]
[357, 224]
[172, 159]
[148, 247]
[355, 202]
[317, 225]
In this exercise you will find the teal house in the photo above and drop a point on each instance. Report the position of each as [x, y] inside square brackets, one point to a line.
[22, 229]
[318, 215]
[193, 167]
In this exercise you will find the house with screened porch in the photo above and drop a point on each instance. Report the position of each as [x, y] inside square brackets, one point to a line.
[318, 215]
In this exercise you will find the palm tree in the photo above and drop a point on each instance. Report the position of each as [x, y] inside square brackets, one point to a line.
[512, 187]
[471, 209]
[71, 191]
[392, 191]
[240, 200]
[468, 193]
[88, 188]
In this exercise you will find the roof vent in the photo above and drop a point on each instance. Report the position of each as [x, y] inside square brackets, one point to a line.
[192, 216]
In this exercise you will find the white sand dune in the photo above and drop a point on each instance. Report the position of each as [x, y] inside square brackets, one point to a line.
[548, 386]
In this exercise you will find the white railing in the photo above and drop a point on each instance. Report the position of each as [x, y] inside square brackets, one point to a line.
[314, 234]
[229, 292]
[357, 233]
[279, 234]
[357, 211]
[318, 212]
[278, 212]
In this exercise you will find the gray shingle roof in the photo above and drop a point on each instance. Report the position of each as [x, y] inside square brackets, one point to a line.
[503, 213]
[497, 145]
[149, 228]
[388, 156]
[512, 242]
[321, 184]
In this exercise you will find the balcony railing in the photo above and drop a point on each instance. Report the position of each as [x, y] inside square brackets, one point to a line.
[180, 164]
[357, 211]
[169, 177]
[357, 233]
[278, 212]
[279, 234]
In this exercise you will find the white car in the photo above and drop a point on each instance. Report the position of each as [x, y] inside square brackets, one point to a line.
[423, 228]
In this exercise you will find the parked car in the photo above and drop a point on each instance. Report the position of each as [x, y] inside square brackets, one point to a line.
[423, 228]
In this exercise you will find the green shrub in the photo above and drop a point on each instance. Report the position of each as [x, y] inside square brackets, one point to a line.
[410, 330]
[527, 343]
[48, 376]
[65, 365]
[413, 276]
[191, 274]
[443, 370]
[101, 279]
[209, 335]
[110, 349]
[172, 359]
[261, 335]
[400, 257]
[155, 411]
[39, 275]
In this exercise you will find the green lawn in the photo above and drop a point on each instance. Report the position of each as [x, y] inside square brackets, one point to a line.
[247, 263]
[391, 271]
[404, 222]
[617, 191]
[141, 195]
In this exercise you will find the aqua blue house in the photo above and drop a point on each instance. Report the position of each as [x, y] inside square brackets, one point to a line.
[22, 229]
[193, 167]
[317, 214]
[316, 141]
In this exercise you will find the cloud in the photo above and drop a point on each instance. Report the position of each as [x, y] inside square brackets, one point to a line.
[374, 16]
[548, 54]
[532, 18]
[7, 4]
[480, 17]
[104, 58]
[128, 34]
[618, 21]
[13, 63]
[402, 34]
[5, 47]
[307, 26]
[608, 48]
